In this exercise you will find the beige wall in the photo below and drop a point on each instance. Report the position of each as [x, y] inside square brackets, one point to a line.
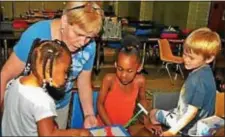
[184, 14]
[198, 14]
[146, 10]
[6, 9]
[22, 6]
[171, 13]
[123, 8]
[127, 9]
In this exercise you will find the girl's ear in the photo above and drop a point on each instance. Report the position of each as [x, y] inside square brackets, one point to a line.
[64, 21]
[209, 60]
[139, 68]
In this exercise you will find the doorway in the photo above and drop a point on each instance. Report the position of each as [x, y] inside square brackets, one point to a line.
[216, 20]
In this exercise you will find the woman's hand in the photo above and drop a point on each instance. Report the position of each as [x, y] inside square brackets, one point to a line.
[90, 121]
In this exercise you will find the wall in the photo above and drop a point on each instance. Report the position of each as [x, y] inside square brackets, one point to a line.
[6, 9]
[134, 9]
[123, 8]
[198, 14]
[128, 9]
[171, 13]
[22, 6]
[184, 14]
[146, 10]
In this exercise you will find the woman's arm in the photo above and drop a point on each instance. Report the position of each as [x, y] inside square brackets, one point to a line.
[85, 93]
[47, 127]
[105, 87]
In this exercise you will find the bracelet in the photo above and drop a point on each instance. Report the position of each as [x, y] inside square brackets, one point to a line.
[89, 115]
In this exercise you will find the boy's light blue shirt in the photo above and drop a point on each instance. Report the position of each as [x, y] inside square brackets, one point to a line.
[81, 60]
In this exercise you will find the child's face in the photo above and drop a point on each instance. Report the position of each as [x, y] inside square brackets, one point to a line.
[126, 68]
[60, 71]
[193, 60]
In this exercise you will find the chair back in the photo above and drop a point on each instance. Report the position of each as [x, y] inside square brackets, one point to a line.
[165, 49]
[219, 108]
[77, 116]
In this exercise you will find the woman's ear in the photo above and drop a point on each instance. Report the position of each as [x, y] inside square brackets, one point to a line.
[64, 21]
[210, 59]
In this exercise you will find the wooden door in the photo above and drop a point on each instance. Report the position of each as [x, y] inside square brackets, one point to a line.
[217, 16]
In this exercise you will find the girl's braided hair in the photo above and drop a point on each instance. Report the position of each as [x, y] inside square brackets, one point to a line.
[46, 50]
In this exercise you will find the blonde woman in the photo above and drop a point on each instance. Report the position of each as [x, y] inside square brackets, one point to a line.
[32, 95]
[79, 24]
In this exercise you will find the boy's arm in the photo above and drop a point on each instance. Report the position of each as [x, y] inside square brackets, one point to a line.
[106, 84]
[187, 117]
[47, 127]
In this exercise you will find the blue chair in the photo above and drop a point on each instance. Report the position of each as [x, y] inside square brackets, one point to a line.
[77, 116]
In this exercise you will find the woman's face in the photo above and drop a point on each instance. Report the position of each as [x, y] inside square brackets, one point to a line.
[75, 37]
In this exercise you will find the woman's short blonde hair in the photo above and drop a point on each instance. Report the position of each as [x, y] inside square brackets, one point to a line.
[203, 41]
[89, 18]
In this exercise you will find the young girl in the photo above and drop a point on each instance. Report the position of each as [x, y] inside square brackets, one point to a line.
[29, 107]
[120, 91]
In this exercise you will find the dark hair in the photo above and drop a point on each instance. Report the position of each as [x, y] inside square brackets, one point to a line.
[46, 50]
[130, 46]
